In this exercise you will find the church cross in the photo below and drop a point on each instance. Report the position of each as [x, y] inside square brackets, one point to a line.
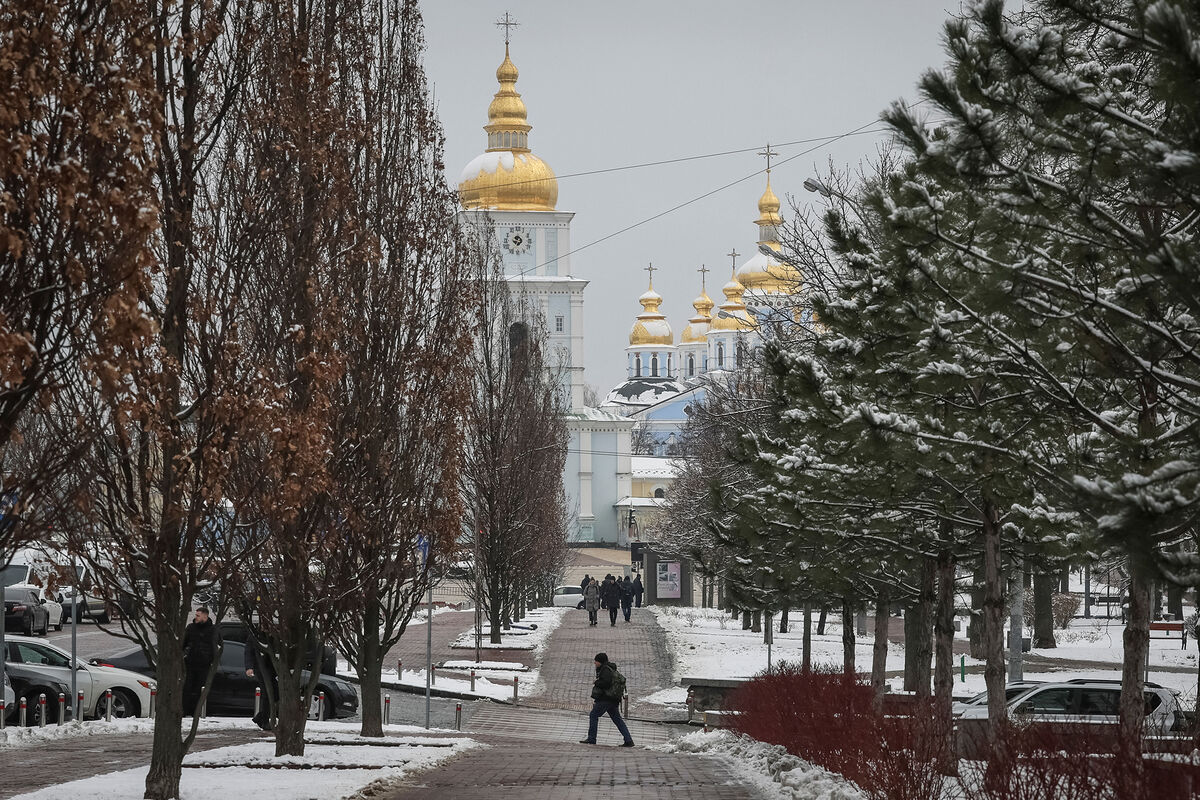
[703, 275]
[768, 154]
[733, 254]
[651, 268]
[508, 23]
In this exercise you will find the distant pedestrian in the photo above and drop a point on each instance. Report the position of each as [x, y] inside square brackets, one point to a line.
[591, 600]
[626, 597]
[610, 596]
[201, 646]
[586, 580]
[607, 691]
[637, 590]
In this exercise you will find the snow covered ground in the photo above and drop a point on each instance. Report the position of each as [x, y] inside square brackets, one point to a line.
[546, 619]
[496, 684]
[13, 736]
[341, 767]
[773, 771]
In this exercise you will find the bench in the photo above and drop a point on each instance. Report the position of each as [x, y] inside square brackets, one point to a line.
[708, 694]
[1170, 630]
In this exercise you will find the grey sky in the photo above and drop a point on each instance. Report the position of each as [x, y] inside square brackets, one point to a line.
[624, 82]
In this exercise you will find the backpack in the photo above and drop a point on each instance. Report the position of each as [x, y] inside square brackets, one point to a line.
[616, 692]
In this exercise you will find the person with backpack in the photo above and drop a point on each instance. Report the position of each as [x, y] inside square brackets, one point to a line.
[626, 597]
[607, 691]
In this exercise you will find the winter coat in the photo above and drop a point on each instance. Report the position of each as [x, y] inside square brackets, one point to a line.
[637, 586]
[583, 584]
[610, 594]
[604, 681]
[626, 592]
[591, 597]
[200, 643]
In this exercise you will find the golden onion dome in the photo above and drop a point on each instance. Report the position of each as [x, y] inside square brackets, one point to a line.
[698, 326]
[763, 273]
[738, 318]
[508, 177]
[651, 327]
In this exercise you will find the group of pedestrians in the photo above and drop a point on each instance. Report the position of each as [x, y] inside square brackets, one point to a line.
[612, 594]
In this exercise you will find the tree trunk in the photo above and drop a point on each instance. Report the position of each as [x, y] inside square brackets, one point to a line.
[756, 626]
[1064, 581]
[495, 616]
[1175, 601]
[166, 757]
[783, 619]
[370, 669]
[848, 637]
[879, 652]
[943, 664]
[747, 620]
[992, 633]
[806, 640]
[1043, 610]
[1133, 704]
[918, 633]
[821, 620]
[292, 714]
[975, 622]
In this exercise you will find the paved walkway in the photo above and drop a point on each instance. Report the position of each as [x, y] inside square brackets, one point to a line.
[639, 649]
[446, 628]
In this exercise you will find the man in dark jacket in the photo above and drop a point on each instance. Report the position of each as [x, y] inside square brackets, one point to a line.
[258, 666]
[603, 693]
[638, 590]
[201, 647]
[626, 597]
[586, 580]
[610, 597]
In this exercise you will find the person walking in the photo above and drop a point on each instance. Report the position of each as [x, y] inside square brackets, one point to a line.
[637, 590]
[626, 597]
[591, 600]
[607, 691]
[586, 580]
[610, 595]
[201, 645]
[258, 667]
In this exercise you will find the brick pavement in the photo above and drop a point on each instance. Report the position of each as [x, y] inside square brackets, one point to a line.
[36, 766]
[639, 649]
[570, 771]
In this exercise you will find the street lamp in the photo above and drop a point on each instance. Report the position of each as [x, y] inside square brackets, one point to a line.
[816, 186]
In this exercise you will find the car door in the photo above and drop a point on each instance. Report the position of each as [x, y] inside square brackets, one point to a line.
[232, 690]
[45, 661]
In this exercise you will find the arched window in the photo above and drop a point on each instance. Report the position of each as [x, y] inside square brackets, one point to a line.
[691, 366]
[670, 364]
[654, 365]
[660, 493]
[741, 354]
[720, 355]
[637, 366]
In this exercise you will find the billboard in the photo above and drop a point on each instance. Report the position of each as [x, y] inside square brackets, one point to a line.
[668, 584]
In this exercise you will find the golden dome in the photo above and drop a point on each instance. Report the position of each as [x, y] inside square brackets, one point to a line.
[508, 177]
[651, 327]
[762, 273]
[698, 326]
[739, 318]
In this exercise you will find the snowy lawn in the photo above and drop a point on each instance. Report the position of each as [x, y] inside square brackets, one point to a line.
[769, 768]
[546, 619]
[13, 736]
[341, 768]
[497, 685]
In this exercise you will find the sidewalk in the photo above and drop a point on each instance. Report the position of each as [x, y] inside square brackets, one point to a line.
[446, 628]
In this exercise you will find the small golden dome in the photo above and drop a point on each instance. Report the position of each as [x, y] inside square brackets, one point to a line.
[739, 318]
[508, 177]
[698, 326]
[651, 327]
[762, 273]
[768, 207]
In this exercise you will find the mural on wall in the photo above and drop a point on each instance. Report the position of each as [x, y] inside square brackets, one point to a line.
[669, 585]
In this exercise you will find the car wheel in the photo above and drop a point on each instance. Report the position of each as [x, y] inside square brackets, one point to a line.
[102, 619]
[330, 708]
[582, 603]
[124, 705]
[33, 709]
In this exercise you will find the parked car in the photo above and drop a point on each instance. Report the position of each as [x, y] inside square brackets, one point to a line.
[24, 611]
[9, 696]
[53, 607]
[1011, 691]
[568, 597]
[42, 568]
[232, 692]
[1079, 711]
[30, 687]
[36, 660]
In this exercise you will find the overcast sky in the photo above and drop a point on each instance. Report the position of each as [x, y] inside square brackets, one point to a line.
[617, 82]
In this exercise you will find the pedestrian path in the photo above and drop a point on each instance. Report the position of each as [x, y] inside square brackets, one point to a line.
[559, 726]
[639, 649]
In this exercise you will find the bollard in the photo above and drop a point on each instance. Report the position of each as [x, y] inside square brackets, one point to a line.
[203, 707]
[625, 706]
[154, 699]
[79, 706]
[516, 695]
[108, 705]
[387, 709]
[23, 713]
[42, 710]
[472, 680]
[3, 711]
[458, 716]
[257, 699]
[706, 722]
[62, 709]
[399, 669]
[321, 708]
[962, 666]
[691, 705]
[432, 676]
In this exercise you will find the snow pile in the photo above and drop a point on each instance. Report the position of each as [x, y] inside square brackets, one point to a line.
[771, 769]
[14, 736]
[467, 666]
[325, 771]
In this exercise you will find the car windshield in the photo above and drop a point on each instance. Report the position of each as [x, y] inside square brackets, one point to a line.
[13, 573]
[20, 594]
